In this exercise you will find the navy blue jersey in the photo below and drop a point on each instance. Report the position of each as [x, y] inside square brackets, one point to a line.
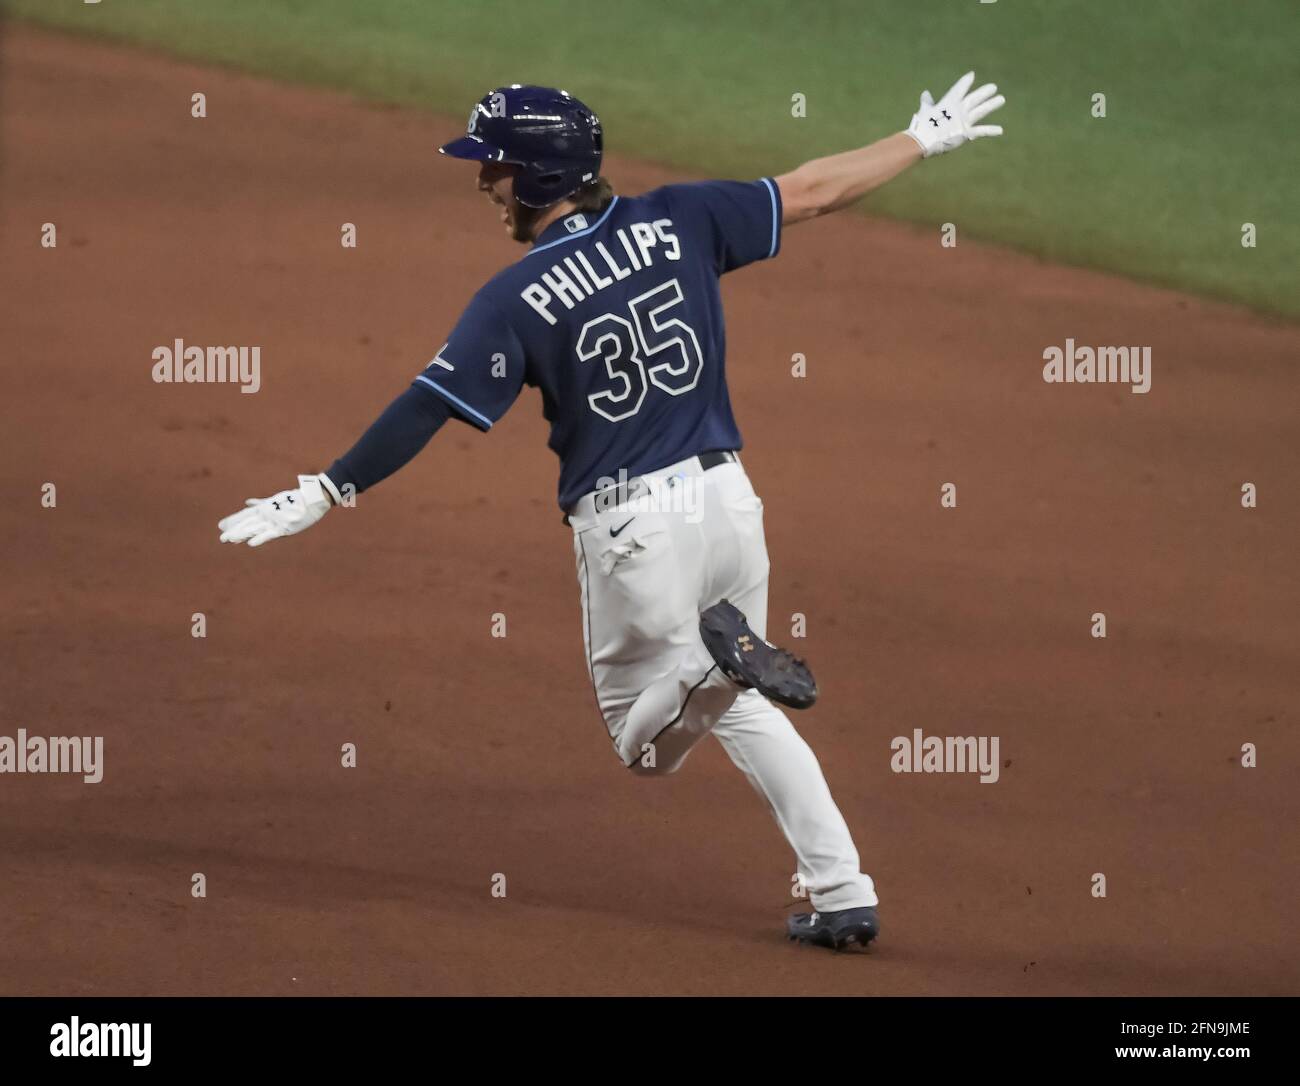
[617, 319]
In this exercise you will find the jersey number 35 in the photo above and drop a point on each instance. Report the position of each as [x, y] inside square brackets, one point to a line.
[649, 349]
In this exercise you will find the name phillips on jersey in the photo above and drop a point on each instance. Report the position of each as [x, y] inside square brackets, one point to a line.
[581, 274]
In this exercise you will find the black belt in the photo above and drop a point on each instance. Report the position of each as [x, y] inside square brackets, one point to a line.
[617, 495]
[710, 460]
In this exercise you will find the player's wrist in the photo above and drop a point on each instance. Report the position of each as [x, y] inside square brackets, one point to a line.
[330, 490]
[317, 496]
[920, 143]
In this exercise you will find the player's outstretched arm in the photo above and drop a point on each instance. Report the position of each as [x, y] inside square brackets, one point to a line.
[394, 439]
[829, 184]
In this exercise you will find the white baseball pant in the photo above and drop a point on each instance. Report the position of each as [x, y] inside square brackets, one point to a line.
[668, 545]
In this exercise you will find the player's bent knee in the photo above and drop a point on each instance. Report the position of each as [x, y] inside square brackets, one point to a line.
[650, 761]
[644, 762]
[642, 768]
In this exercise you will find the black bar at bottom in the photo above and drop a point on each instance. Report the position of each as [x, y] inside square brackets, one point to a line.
[337, 1034]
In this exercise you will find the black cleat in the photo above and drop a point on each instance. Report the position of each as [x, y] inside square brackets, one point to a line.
[842, 930]
[748, 660]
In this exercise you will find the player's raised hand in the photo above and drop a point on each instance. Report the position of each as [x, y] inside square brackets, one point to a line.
[955, 118]
[286, 513]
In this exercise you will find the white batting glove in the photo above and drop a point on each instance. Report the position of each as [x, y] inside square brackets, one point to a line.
[286, 513]
[954, 119]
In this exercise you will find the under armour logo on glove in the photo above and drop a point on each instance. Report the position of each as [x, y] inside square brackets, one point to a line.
[955, 119]
[286, 513]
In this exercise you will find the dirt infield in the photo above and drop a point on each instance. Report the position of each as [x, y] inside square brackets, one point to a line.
[480, 755]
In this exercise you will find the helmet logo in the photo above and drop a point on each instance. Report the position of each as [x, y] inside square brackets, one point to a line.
[494, 106]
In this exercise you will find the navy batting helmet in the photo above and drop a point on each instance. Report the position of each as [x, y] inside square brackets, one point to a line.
[553, 138]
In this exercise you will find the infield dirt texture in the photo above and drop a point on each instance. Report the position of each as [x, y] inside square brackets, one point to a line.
[480, 755]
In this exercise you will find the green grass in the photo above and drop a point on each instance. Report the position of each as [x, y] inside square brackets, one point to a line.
[1202, 132]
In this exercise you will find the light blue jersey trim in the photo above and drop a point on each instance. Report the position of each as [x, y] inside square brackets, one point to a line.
[579, 234]
[487, 422]
[771, 191]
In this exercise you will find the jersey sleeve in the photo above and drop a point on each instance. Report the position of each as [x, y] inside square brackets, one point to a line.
[480, 369]
[742, 219]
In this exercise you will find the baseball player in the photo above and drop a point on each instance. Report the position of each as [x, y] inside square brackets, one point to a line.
[614, 314]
